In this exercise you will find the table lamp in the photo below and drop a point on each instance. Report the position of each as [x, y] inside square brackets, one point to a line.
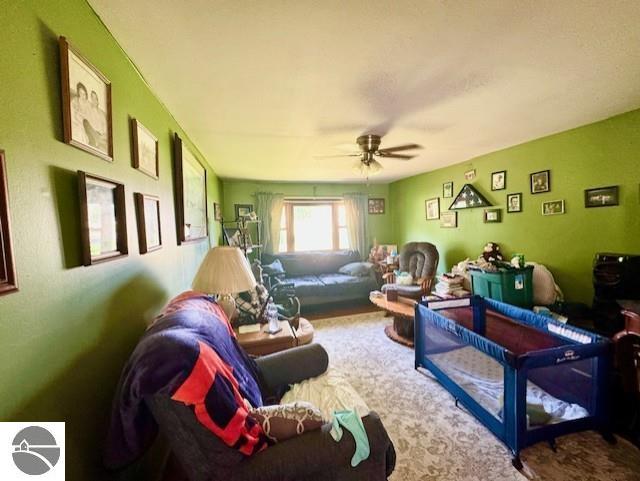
[224, 271]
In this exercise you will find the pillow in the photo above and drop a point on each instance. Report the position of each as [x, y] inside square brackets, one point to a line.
[283, 421]
[273, 269]
[356, 269]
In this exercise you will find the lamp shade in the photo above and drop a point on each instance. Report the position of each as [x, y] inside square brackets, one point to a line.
[224, 270]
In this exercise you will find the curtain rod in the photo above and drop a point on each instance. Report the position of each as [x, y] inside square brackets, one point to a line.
[312, 198]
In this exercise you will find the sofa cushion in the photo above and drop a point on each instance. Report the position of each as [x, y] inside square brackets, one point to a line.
[357, 269]
[312, 263]
[412, 291]
[283, 421]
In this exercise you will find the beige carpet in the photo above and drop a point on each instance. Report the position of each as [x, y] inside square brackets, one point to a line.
[434, 440]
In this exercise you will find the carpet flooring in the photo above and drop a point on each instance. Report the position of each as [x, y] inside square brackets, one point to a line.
[435, 440]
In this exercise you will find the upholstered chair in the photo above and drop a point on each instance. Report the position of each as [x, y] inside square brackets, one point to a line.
[420, 259]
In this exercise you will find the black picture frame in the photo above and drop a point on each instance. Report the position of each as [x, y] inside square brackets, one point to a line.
[427, 203]
[376, 206]
[149, 227]
[191, 206]
[497, 182]
[449, 219]
[540, 182]
[8, 276]
[103, 198]
[553, 207]
[513, 208]
[242, 210]
[490, 218]
[447, 190]
[602, 196]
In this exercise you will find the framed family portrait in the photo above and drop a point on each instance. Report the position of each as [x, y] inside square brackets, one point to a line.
[148, 220]
[8, 279]
[602, 197]
[514, 203]
[86, 104]
[499, 180]
[553, 207]
[492, 216]
[449, 219]
[540, 182]
[376, 206]
[432, 208]
[447, 190]
[103, 222]
[145, 150]
[191, 194]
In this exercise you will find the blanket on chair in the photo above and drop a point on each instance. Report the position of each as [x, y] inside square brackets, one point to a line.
[190, 353]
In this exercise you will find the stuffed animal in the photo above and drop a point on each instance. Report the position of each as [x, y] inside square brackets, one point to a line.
[491, 252]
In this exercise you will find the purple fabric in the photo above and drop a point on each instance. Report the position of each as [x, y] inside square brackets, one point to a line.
[161, 363]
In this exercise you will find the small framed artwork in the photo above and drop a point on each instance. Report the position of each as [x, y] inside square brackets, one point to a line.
[447, 190]
[541, 182]
[492, 216]
[103, 222]
[432, 208]
[553, 207]
[470, 174]
[514, 203]
[86, 104]
[449, 219]
[217, 212]
[602, 197]
[148, 216]
[191, 194]
[145, 150]
[243, 210]
[376, 206]
[8, 279]
[499, 180]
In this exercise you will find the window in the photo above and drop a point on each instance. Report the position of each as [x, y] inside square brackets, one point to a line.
[313, 226]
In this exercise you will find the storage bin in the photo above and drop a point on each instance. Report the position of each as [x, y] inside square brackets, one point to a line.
[511, 286]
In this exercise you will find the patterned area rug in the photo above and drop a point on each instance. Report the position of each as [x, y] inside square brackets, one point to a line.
[434, 440]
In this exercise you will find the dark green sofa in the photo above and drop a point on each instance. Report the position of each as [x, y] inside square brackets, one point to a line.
[317, 280]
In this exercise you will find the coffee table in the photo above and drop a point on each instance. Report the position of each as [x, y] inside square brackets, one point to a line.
[403, 311]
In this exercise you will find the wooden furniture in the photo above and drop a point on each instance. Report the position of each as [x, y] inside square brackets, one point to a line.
[420, 260]
[403, 311]
[261, 343]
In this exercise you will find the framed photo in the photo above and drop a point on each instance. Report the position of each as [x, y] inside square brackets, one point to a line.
[492, 216]
[553, 207]
[540, 182]
[103, 220]
[447, 190]
[449, 219]
[514, 203]
[86, 104]
[376, 206]
[145, 150]
[191, 194]
[243, 210]
[470, 174]
[499, 180]
[602, 196]
[148, 215]
[8, 279]
[217, 212]
[432, 208]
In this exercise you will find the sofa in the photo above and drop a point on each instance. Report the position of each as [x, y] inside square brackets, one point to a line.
[324, 277]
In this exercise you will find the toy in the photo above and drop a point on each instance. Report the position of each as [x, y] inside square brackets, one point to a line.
[491, 253]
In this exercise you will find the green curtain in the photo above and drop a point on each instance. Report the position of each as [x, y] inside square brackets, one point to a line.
[356, 212]
[269, 211]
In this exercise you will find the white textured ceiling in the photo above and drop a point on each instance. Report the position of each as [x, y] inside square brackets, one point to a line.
[262, 87]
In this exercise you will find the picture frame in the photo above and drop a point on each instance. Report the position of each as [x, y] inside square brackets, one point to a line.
[447, 190]
[492, 216]
[376, 206]
[148, 220]
[103, 222]
[217, 212]
[470, 174]
[449, 219]
[191, 194]
[499, 180]
[514, 203]
[602, 196]
[145, 150]
[540, 182]
[86, 104]
[8, 276]
[243, 210]
[432, 208]
[553, 207]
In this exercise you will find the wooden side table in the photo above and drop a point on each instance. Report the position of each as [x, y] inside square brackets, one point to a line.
[403, 311]
[261, 342]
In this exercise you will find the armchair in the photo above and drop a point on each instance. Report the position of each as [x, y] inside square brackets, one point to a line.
[420, 259]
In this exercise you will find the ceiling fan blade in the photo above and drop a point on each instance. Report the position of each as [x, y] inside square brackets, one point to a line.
[401, 147]
[387, 155]
[337, 155]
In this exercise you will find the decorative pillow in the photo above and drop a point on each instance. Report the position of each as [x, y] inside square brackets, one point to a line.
[274, 269]
[283, 421]
[356, 269]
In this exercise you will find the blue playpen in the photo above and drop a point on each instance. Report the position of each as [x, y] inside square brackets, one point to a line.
[526, 377]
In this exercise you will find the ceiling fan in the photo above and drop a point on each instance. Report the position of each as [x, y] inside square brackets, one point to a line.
[370, 149]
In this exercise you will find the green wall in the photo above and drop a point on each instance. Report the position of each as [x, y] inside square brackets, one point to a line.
[601, 154]
[241, 192]
[66, 334]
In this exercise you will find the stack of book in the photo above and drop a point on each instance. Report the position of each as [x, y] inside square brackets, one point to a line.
[450, 286]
